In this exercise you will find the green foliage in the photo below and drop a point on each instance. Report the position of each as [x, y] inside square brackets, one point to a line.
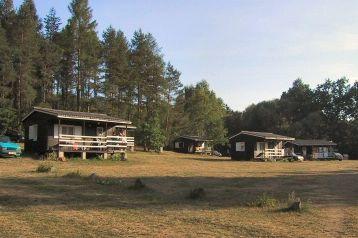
[52, 156]
[201, 113]
[264, 200]
[44, 168]
[151, 135]
[107, 181]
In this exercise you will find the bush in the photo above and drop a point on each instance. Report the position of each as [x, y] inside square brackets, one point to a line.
[264, 200]
[138, 184]
[45, 168]
[107, 181]
[197, 193]
[76, 174]
[52, 156]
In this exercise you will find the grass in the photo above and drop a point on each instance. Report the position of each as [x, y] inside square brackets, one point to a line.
[60, 205]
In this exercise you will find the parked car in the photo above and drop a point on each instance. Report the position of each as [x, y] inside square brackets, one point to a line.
[297, 157]
[294, 157]
[337, 156]
[217, 153]
[8, 148]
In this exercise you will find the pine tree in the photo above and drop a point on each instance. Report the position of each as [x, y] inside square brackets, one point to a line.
[26, 57]
[86, 52]
[7, 18]
[117, 85]
[50, 59]
[173, 87]
[147, 71]
[7, 114]
[65, 78]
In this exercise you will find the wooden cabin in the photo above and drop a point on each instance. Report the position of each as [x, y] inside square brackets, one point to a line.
[251, 145]
[312, 149]
[62, 131]
[192, 144]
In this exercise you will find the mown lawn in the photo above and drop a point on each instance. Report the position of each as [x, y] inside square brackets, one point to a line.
[53, 205]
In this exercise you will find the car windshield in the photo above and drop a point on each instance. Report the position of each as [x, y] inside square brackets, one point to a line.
[4, 139]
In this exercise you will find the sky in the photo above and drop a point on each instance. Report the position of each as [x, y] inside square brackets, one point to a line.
[248, 50]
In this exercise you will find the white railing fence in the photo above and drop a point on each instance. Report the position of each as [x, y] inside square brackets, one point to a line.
[94, 143]
[269, 153]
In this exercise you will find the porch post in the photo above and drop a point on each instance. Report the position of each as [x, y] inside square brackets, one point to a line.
[61, 154]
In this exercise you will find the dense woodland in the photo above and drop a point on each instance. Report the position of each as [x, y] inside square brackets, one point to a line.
[75, 68]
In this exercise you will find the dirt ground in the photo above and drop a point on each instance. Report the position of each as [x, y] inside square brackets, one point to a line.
[54, 205]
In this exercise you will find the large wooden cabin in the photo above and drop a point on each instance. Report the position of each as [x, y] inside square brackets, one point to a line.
[251, 145]
[75, 132]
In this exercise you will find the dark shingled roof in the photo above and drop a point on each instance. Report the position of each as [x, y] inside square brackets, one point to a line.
[194, 138]
[313, 143]
[78, 115]
[264, 135]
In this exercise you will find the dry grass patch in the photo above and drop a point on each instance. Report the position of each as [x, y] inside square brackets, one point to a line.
[69, 203]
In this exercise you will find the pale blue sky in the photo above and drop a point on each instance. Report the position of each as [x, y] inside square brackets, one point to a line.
[249, 50]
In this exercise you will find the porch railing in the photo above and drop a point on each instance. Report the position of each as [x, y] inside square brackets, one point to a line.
[94, 143]
[322, 155]
[269, 153]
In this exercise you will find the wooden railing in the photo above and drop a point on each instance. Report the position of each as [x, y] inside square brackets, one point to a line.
[94, 143]
[269, 153]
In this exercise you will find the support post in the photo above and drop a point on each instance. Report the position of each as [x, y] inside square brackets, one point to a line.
[105, 155]
[61, 154]
[84, 155]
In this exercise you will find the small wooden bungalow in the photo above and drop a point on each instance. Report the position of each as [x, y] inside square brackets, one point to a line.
[76, 132]
[312, 149]
[250, 145]
[192, 144]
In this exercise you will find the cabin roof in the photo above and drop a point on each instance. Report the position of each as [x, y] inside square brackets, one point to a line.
[193, 138]
[313, 143]
[264, 135]
[77, 115]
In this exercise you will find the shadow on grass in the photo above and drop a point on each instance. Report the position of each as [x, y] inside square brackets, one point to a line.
[172, 192]
[213, 159]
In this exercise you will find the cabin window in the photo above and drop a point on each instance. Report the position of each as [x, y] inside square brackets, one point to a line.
[179, 145]
[33, 132]
[67, 130]
[99, 131]
[260, 146]
[240, 146]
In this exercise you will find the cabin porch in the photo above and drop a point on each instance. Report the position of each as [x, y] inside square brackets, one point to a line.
[71, 136]
[269, 149]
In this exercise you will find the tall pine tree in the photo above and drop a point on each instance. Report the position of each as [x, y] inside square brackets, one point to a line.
[86, 53]
[50, 60]
[118, 87]
[26, 57]
[7, 113]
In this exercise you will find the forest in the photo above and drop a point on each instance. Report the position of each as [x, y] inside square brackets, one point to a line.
[73, 67]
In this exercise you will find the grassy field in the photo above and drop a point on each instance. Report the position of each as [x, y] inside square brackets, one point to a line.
[53, 205]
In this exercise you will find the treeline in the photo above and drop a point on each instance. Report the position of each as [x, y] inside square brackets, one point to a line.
[329, 111]
[71, 68]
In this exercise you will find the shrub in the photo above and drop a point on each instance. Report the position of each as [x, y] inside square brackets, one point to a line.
[294, 204]
[107, 181]
[138, 184]
[45, 168]
[52, 156]
[264, 200]
[197, 193]
[76, 174]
